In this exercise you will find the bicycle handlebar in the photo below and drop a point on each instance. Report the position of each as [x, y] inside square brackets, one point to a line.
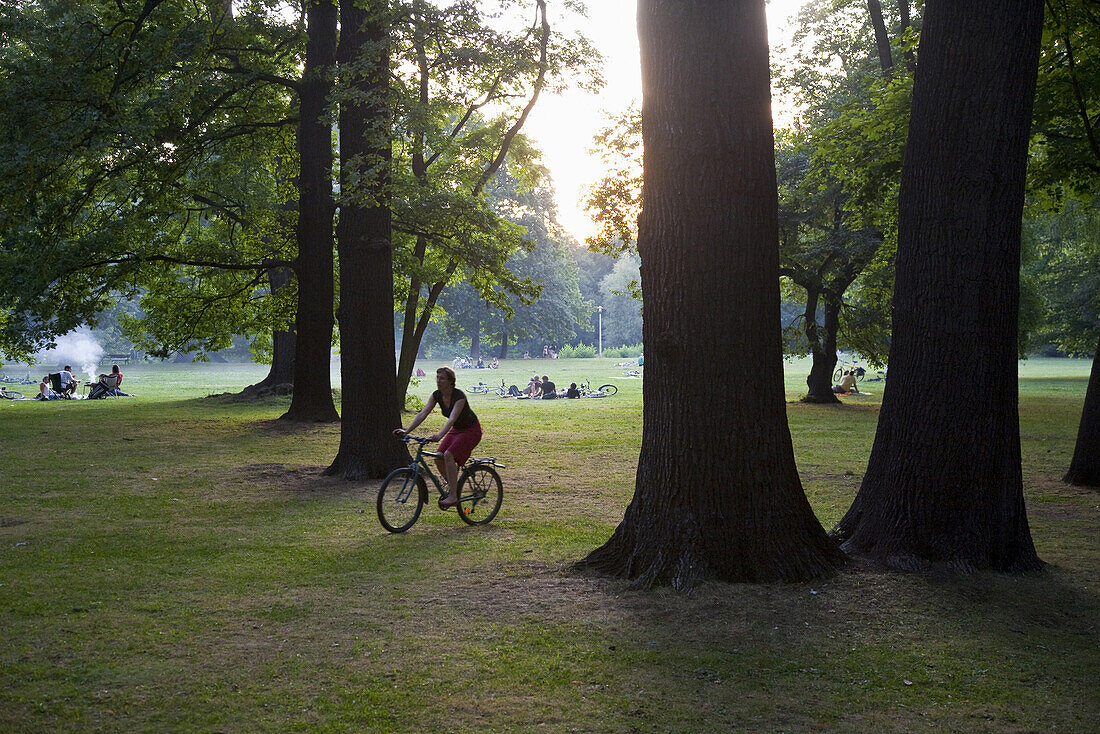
[419, 439]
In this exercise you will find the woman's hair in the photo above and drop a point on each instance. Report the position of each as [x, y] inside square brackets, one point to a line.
[114, 369]
[572, 384]
[448, 373]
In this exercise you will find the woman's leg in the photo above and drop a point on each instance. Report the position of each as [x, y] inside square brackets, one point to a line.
[451, 472]
[448, 469]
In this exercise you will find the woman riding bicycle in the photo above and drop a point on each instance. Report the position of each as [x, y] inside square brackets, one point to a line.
[459, 435]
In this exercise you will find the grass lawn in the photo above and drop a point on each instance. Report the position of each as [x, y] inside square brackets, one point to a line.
[173, 562]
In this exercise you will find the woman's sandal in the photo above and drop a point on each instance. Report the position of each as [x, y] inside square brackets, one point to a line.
[445, 504]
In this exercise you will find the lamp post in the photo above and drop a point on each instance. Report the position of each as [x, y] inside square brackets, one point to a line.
[599, 329]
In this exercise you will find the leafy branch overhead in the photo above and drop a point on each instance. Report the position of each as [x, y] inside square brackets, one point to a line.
[465, 82]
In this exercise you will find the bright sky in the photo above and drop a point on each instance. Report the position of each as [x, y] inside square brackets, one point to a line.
[563, 126]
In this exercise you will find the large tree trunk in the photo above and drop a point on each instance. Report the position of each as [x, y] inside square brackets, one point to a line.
[822, 350]
[944, 482]
[504, 344]
[282, 346]
[1084, 469]
[370, 405]
[717, 493]
[312, 399]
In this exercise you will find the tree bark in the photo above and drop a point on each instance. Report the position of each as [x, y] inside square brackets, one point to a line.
[1084, 468]
[504, 344]
[944, 482]
[312, 399]
[282, 345]
[882, 38]
[903, 27]
[717, 493]
[371, 405]
[822, 350]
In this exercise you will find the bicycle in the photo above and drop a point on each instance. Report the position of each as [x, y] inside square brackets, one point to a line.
[481, 389]
[404, 492]
[602, 391]
[10, 394]
[858, 371]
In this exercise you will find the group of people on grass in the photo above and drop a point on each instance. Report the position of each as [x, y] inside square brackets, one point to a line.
[108, 384]
[543, 389]
[549, 351]
[463, 363]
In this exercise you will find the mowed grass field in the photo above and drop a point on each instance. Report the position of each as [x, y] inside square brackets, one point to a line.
[176, 562]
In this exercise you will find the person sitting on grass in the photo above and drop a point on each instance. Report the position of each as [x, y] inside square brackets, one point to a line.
[45, 392]
[108, 385]
[847, 384]
[68, 382]
[572, 392]
[547, 390]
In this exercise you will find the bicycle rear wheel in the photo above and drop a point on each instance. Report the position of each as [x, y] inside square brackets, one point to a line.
[480, 493]
[837, 375]
[13, 395]
[400, 499]
[478, 389]
[608, 389]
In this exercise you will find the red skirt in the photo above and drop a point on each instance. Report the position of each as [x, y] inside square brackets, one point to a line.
[461, 442]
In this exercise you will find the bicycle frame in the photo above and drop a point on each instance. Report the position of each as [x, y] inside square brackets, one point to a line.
[421, 466]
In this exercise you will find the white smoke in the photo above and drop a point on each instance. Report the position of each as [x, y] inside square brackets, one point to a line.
[78, 348]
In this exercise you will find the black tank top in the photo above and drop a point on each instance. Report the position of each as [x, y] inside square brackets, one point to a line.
[466, 418]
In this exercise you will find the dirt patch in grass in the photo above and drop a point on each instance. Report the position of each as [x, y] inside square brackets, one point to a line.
[298, 480]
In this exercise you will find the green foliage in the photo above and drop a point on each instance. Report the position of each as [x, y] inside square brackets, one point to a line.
[1065, 145]
[621, 300]
[137, 135]
[1064, 274]
[616, 200]
[464, 83]
[580, 351]
[413, 402]
[839, 170]
[630, 351]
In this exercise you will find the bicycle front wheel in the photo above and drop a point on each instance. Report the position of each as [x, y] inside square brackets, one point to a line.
[13, 395]
[480, 493]
[400, 499]
[478, 389]
[837, 375]
[608, 389]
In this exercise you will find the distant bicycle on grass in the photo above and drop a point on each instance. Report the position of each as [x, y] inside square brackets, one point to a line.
[603, 391]
[859, 372]
[481, 388]
[405, 491]
[10, 394]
